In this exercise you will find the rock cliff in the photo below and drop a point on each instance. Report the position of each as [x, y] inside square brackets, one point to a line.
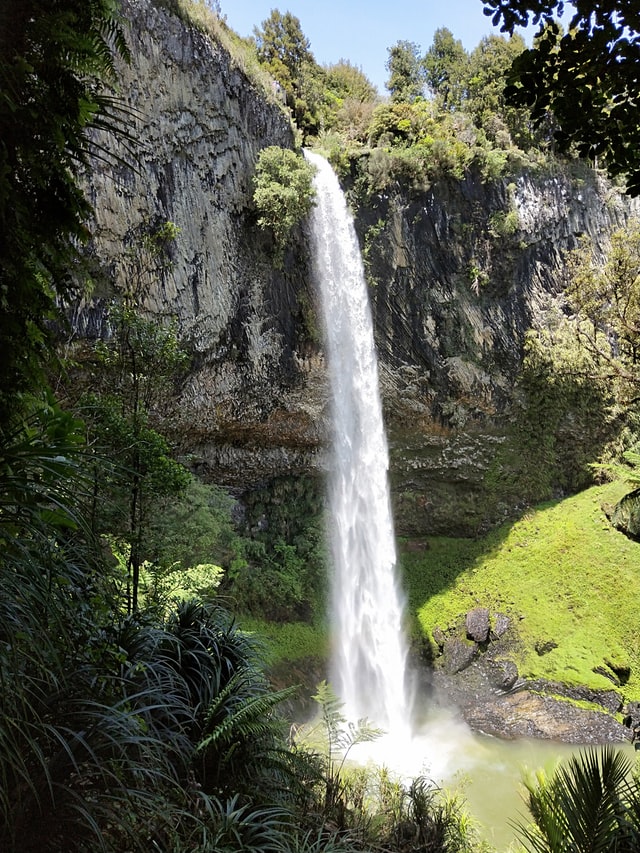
[458, 273]
[199, 122]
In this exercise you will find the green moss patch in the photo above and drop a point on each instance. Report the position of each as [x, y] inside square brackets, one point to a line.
[566, 579]
[288, 641]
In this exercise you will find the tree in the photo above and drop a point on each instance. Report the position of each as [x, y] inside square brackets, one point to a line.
[485, 100]
[53, 59]
[444, 64]
[606, 301]
[282, 46]
[285, 51]
[406, 72]
[586, 77]
[348, 82]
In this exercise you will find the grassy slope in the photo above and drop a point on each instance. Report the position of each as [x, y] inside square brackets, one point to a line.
[561, 572]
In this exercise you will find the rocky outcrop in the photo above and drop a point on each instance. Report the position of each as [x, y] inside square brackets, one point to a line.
[251, 405]
[474, 670]
[532, 715]
[458, 272]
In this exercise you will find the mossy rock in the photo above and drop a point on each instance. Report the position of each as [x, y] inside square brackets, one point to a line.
[625, 515]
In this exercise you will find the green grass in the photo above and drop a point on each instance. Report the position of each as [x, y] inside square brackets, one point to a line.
[562, 574]
[288, 641]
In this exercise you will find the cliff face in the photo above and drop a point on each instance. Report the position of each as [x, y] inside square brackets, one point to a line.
[458, 274]
[199, 124]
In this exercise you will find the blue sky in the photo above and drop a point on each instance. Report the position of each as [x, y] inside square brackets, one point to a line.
[362, 30]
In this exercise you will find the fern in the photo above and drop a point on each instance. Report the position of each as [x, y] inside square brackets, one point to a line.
[588, 806]
[341, 734]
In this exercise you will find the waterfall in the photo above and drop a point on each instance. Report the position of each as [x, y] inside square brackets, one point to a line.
[369, 654]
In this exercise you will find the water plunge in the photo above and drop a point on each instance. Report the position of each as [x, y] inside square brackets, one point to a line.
[369, 666]
[370, 652]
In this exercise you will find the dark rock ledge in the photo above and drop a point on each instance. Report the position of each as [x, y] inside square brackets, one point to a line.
[473, 671]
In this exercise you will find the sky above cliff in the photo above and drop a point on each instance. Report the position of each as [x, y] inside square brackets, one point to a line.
[362, 30]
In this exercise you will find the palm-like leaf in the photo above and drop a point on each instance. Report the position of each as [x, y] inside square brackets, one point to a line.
[586, 807]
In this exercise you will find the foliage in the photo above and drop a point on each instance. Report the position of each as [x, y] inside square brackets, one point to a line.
[194, 530]
[134, 369]
[406, 72]
[402, 123]
[566, 551]
[283, 191]
[285, 52]
[586, 77]
[504, 223]
[348, 82]
[160, 588]
[280, 571]
[561, 395]
[467, 125]
[130, 373]
[485, 98]
[591, 804]
[341, 735]
[54, 59]
[350, 98]
[584, 366]
[445, 68]
[606, 299]
[114, 732]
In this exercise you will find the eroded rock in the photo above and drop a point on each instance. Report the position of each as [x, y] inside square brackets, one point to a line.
[477, 624]
[527, 714]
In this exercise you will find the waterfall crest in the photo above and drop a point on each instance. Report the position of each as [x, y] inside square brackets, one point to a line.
[369, 653]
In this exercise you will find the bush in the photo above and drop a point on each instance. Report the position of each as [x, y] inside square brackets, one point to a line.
[283, 191]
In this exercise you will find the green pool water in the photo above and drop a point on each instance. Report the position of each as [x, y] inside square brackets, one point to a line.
[487, 772]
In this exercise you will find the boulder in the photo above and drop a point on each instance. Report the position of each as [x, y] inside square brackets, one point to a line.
[478, 625]
[457, 655]
[501, 626]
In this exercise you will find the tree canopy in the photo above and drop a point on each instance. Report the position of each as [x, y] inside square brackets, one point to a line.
[406, 72]
[445, 63]
[285, 52]
[586, 76]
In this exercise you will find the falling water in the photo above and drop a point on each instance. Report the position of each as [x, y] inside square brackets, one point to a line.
[369, 656]
[369, 661]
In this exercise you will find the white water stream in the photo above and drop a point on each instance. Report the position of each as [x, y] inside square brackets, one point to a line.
[369, 653]
[369, 659]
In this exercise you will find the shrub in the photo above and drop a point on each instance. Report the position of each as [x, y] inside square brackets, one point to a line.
[283, 191]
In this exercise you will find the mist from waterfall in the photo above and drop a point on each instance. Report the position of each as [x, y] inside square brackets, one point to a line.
[369, 658]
